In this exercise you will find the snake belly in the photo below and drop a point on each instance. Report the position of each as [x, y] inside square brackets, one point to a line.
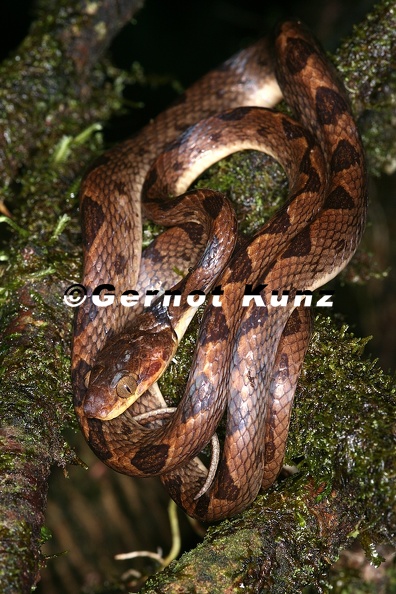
[247, 359]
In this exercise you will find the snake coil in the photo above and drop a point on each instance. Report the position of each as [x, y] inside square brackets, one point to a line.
[247, 359]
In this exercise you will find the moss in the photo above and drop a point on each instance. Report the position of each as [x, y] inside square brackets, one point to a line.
[366, 63]
[254, 182]
[16, 544]
[351, 400]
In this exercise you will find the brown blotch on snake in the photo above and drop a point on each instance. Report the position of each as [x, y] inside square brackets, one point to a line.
[329, 105]
[226, 490]
[235, 115]
[344, 156]
[120, 262]
[279, 224]
[92, 222]
[291, 130]
[301, 245]
[217, 329]
[155, 455]
[339, 199]
[298, 52]
[313, 183]
[97, 440]
[91, 312]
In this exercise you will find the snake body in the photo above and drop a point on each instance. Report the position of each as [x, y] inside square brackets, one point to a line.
[247, 359]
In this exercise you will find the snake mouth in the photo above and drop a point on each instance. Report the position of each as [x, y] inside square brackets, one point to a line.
[93, 408]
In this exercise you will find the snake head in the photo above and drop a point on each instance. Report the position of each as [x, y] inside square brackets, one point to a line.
[108, 395]
[125, 370]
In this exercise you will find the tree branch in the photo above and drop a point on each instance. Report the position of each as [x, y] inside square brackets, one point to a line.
[43, 96]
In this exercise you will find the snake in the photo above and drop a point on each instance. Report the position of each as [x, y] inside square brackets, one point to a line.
[248, 357]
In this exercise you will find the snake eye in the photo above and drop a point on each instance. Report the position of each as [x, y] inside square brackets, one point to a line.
[126, 387]
[86, 379]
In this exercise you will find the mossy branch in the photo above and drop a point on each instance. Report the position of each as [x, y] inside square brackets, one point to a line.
[289, 536]
[44, 103]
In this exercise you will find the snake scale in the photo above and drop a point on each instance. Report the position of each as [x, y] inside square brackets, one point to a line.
[248, 359]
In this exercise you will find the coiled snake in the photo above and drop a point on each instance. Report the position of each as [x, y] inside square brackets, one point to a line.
[247, 359]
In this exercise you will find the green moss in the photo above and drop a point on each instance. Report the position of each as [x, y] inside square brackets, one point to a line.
[351, 400]
[16, 544]
[366, 64]
[254, 182]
